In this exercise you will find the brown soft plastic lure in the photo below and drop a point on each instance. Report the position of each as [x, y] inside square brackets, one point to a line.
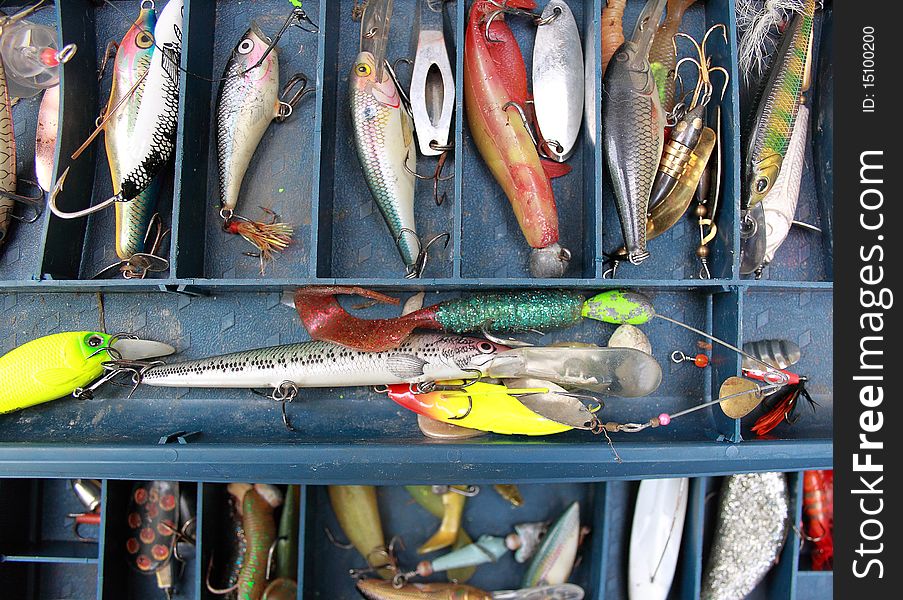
[374, 589]
[662, 55]
[260, 532]
[612, 29]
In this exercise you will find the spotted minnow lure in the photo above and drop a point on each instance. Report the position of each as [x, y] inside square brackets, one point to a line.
[555, 558]
[778, 108]
[7, 158]
[248, 102]
[633, 131]
[57, 365]
[480, 406]
[259, 524]
[420, 359]
[132, 61]
[384, 139]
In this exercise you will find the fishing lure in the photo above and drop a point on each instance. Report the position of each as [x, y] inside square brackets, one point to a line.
[780, 354]
[258, 503]
[633, 129]
[663, 52]
[374, 589]
[131, 64]
[558, 80]
[432, 502]
[658, 523]
[248, 102]
[481, 406]
[7, 159]
[46, 137]
[487, 549]
[495, 80]
[612, 30]
[432, 97]
[753, 520]
[555, 558]
[782, 405]
[707, 196]
[509, 492]
[154, 129]
[778, 107]
[60, 364]
[357, 512]
[230, 566]
[445, 536]
[284, 586]
[384, 135]
[153, 521]
[819, 521]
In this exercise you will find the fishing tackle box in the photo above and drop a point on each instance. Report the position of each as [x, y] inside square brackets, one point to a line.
[213, 299]
[39, 553]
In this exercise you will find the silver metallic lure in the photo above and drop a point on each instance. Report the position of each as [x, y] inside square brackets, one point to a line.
[753, 521]
[558, 80]
[432, 82]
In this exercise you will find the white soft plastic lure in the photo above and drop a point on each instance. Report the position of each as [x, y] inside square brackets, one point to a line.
[658, 524]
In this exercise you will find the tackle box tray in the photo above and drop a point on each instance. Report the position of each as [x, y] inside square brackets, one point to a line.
[39, 554]
[214, 299]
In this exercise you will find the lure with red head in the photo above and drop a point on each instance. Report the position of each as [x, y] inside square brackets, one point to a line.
[819, 525]
[494, 76]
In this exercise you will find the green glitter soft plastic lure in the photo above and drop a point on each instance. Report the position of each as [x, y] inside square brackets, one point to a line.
[778, 107]
[326, 320]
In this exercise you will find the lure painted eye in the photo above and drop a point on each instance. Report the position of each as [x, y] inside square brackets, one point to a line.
[485, 347]
[245, 46]
[362, 69]
[761, 185]
[144, 40]
[95, 341]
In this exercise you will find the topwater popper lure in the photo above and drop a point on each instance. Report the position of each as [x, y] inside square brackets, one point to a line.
[248, 102]
[57, 365]
[779, 103]
[132, 61]
[155, 124]
[384, 135]
[633, 129]
[495, 81]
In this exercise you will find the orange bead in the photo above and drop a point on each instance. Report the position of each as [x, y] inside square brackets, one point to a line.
[701, 361]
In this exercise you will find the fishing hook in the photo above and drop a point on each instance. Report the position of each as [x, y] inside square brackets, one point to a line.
[503, 8]
[287, 107]
[139, 264]
[436, 177]
[33, 203]
[416, 272]
[466, 412]
[110, 52]
[405, 100]
[542, 145]
[335, 542]
[469, 491]
[210, 588]
[284, 393]
[512, 342]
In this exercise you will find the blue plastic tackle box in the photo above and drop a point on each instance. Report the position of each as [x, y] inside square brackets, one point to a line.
[213, 299]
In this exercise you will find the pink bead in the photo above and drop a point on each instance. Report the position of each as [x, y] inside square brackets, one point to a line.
[664, 419]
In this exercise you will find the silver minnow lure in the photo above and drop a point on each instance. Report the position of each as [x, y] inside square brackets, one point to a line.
[384, 139]
[633, 130]
[421, 358]
[248, 102]
[553, 562]
[753, 520]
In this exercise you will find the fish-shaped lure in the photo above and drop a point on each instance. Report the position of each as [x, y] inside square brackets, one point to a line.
[633, 123]
[56, 365]
[155, 124]
[248, 102]
[376, 589]
[778, 108]
[481, 406]
[555, 558]
[384, 139]
[753, 520]
[133, 59]
[357, 511]
[494, 77]
[419, 359]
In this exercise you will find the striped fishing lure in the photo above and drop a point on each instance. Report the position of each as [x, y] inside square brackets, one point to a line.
[778, 107]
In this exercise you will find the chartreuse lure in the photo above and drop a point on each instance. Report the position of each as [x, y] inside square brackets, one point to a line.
[57, 365]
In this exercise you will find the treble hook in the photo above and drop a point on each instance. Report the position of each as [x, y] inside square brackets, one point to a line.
[284, 393]
[287, 107]
[139, 264]
[34, 203]
[422, 256]
[503, 8]
[436, 177]
[110, 52]
[541, 145]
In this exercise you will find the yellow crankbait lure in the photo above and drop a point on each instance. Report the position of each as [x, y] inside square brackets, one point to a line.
[481, 406]
[56, 365]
